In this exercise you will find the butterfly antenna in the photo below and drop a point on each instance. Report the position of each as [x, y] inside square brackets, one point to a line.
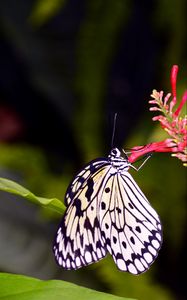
[146, 157]
[114, 129]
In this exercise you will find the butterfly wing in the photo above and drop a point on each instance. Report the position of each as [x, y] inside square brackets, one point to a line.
[107, 212]
[78, 241]
[82, 178]
[130, 226]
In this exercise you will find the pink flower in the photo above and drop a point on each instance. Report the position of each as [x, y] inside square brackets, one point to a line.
[171, 121]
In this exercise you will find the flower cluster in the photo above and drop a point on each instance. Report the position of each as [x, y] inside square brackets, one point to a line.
[171, 121]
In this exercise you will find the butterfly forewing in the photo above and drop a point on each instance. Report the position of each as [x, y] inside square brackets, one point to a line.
[82, 178]
[78, 242]
[107, 212]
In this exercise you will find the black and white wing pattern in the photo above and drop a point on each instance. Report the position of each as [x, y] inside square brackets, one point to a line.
[107, 212]
[78, 242]
[130, 226]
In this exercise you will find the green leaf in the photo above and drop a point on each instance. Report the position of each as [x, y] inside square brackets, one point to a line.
[12, 187]
[19, 287]
[43, 10]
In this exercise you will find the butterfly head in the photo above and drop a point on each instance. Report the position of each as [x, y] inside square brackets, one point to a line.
[115, 152]
[118, 159]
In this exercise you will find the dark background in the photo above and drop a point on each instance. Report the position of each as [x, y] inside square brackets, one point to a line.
[65, 68]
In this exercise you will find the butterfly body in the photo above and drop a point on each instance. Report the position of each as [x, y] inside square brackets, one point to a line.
[107, 213]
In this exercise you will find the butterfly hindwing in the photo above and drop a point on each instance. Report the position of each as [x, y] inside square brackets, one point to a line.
[131, 226]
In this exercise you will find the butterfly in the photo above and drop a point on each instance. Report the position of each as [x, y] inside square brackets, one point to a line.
[107, 213]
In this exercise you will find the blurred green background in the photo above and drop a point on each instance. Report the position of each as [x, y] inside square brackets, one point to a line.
[66, 66]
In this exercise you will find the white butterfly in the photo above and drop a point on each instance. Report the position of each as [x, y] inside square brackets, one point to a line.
[107, 212]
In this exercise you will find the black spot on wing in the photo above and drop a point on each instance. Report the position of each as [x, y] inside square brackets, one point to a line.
[87, 224]
[124, 244]
[138, 229]
[118, 210]
[98, 244]
[89, 248]
[81, 239]
[77, 253]
[96, 223]
[130, 205]
[103, 205]
[106, 225]
[119, 256]
[108, 242]
[103, 234]
[107, 190]
[114, 239]
[77, 204]
[89, 192]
